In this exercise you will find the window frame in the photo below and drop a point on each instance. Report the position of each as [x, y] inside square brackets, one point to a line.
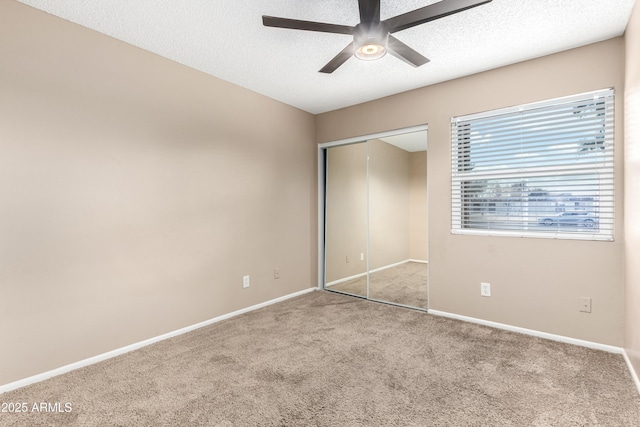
[462, 178]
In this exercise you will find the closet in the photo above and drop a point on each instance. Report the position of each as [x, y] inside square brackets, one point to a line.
[375, 219]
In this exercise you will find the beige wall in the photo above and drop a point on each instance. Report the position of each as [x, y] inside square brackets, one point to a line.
[418, 216]
[536, 283]
[632, 189]
[135, 193]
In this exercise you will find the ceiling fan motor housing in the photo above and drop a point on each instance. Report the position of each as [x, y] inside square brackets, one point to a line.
[370, 40]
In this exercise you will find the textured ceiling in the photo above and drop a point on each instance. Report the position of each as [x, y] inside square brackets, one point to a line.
[225, 38]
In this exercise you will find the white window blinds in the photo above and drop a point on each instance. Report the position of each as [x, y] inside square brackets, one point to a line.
[540, 170]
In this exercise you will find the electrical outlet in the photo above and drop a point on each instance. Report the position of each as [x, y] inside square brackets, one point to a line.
[346, 259]
[246, 281]
[585, 304]
[361, 256]
[276, 273]
[485, 289]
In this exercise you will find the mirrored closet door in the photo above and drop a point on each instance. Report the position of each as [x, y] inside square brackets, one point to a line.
[346, 219]
[376, 212]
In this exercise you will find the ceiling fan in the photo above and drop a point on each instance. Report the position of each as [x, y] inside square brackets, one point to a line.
[372, 37]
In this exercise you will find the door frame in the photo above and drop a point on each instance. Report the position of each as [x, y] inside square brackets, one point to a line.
[322, 156]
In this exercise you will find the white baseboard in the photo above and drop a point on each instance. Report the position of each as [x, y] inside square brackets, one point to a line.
[346, 279]
[108, 355]
[357, 276]
[532, 332]
[420, 261]
[632, 371]
[395, 264]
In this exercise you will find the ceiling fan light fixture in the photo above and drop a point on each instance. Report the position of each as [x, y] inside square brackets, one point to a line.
[370, 40]
[370, 51]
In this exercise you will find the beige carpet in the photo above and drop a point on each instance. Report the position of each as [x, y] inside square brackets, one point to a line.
[404, 284]
[325, 359]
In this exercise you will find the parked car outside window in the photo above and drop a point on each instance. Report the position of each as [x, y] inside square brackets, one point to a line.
[583, 219]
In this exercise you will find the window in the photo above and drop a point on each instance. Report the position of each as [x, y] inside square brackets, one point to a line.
[537, 170]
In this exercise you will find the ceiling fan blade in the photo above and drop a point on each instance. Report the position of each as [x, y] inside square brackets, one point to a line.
[295, 24]
[404, 52]
[430, 13]
[369, 10]
[339, 59]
